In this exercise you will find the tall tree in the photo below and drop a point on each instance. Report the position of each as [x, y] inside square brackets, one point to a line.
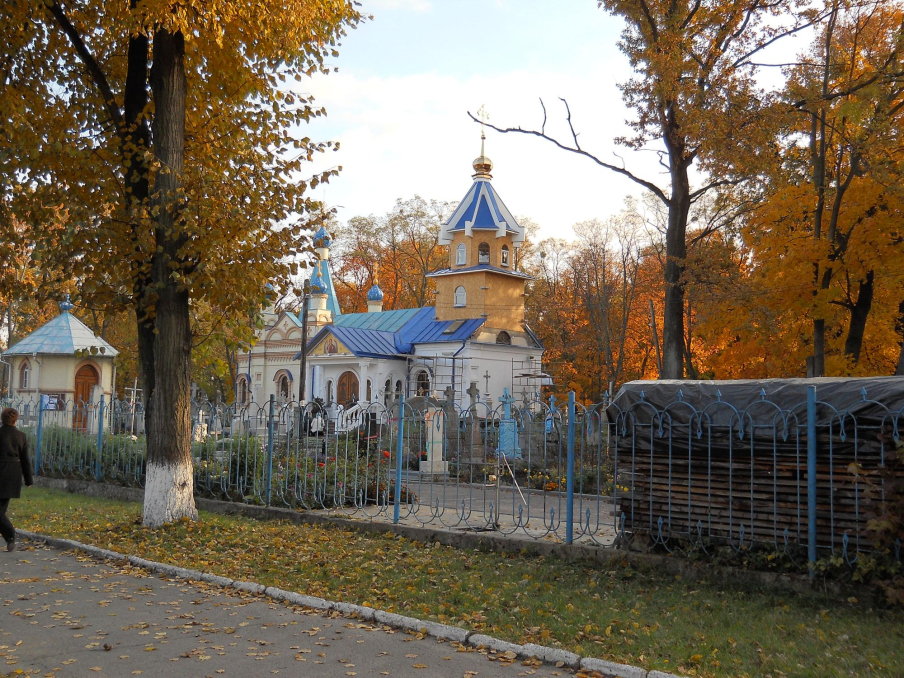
[848, 94]
[179, 130]
[695, 95]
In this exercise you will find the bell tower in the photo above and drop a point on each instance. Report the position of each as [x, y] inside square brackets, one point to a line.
[483, 239]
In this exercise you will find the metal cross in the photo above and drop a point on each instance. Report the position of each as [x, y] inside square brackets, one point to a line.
[487, 379]
[483, 115]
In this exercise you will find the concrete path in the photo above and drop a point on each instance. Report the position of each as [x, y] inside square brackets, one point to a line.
[66, 614]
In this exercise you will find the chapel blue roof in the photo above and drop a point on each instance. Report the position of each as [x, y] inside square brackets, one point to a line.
[394, 333]
[64, 335]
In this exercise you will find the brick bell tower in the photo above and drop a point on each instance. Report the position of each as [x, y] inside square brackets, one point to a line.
[481, 280]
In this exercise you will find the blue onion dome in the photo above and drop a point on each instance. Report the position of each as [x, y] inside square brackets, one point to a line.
[318, 285]
[322, 238]
[375, 293]
[66, 305]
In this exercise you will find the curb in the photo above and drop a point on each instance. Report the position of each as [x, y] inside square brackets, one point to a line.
[550, 655]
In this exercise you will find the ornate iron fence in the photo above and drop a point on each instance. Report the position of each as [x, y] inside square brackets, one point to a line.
[709, 475]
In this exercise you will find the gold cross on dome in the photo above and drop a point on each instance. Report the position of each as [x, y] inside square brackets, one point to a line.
[483, 114]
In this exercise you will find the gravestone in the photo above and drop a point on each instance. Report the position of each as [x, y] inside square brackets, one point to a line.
[476, 450]
[508, 429]
[434, 423]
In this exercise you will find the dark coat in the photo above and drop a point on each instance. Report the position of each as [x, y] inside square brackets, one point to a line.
[14, 463]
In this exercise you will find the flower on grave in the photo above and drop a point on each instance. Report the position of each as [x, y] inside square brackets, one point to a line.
[321, 464]
[386, 454]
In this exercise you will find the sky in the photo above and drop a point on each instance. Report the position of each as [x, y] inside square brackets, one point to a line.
[407, 79]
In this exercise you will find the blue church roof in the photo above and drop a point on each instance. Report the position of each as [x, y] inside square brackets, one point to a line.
[392, 334]
[64, 335]
[482, 209]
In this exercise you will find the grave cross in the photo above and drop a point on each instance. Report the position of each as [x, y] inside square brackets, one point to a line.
[487, 380]
[474, 393]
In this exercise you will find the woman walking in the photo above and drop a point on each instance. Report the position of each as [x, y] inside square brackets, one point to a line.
[14, 465]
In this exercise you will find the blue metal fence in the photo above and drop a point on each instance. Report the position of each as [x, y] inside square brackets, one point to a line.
[678, 477]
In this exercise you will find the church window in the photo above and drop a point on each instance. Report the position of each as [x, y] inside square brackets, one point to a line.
[460, 254]
[398, 388]
[483, 253]
[23, 374]
[505, 255]
[387, 392]
[243, 391]
[423, 383]
[504, 338]
[370, 390]
[461, 297]
[329, 393]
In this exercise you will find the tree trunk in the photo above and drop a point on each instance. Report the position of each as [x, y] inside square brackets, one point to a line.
[900, 327]
[676, 254]
[169, 487]
[859, 313]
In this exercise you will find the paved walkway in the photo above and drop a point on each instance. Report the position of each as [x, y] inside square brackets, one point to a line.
[66, 614]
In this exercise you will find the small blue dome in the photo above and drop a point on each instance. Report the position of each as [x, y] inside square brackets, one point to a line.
[66, 305]
[318, 284]
[375, 293]
[322, 238]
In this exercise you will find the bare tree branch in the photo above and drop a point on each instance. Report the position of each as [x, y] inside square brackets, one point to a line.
[653, 188]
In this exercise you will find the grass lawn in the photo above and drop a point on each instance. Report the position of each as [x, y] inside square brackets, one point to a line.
[615, 611]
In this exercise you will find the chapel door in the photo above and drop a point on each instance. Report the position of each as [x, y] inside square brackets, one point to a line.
[347, 389]
[85, 380]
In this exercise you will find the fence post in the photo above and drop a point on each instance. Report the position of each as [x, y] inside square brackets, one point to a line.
[98, 470]
[811, 478]
[569, 504]
[398, 479]
[39, 434]
[270, 446]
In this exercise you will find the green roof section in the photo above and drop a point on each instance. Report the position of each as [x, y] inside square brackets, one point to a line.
[382, 321]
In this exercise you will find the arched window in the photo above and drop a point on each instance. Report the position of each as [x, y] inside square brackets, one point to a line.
[423, 383]
[461, 297]
[504, 338]
[329, 392]
[23, 374]
[283, 388]
[461, 255]
[483, 253]
[370, 390]
[505, 255]
[243, 391]
[398, 388]
[387, 392]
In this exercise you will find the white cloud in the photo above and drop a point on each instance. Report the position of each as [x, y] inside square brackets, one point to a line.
[408, 135]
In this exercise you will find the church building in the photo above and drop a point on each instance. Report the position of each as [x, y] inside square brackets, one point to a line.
[474, 339]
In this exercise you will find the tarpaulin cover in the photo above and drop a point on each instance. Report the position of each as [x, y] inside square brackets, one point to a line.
[883, 396]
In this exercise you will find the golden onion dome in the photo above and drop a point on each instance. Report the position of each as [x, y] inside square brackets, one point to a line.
[482, 165]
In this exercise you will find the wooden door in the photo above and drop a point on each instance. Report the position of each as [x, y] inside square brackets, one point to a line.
[85, 380]
[347, 389]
